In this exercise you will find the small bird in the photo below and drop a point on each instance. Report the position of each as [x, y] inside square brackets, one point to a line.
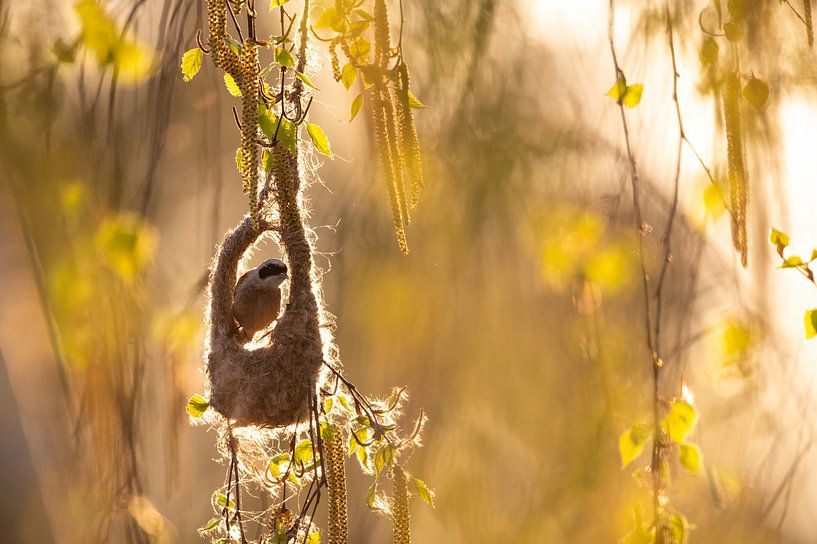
[258, 297]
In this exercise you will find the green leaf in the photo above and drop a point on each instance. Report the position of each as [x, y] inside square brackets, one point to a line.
[679, 527]
[313, 538]
[276, 4]
[357, 103]
[234, 45]
[344, 401]
[266, 160]
[360, 49]
[231, 85]
[328, 404]
[212, 524]
[618, 90]
[371, 496]
[813, 255]
[197, 405]
[756, 92]
[363, 460]
[680, 420]
[284, 57]
[362, 436]
[239, 160]
[792, 262]
[276, 467]
[779, 238]
[629, 95]
[633, 96]
[383, 457]
[303, 452]
[810, 319]
[631, 443]
[414, 102]
[267, 121]
[191, 63]
[327, 432]
[127, 244]
[348, 75]
[319, 139]
[287, 134]
[330, 18]
[690, 457]
[425, 493]
[306, 80]
[222, 501]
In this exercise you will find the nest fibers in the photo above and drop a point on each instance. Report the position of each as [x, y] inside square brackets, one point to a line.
[269, 386]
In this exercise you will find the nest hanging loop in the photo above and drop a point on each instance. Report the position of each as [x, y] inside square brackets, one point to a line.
[268, 386]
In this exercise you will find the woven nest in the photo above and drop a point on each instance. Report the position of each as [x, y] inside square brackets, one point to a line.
[271, 385]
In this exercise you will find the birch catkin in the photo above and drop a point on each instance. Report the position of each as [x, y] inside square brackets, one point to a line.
[401, 519]
[738, 184]
[249, 125]
[336, 483]
[409, 142]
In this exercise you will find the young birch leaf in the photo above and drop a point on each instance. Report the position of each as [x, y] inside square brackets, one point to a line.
[306, 80]
[618, 90]
[287, 134]
[371, 496]
[679, 526]
[348, 75]
[810, 320]
[197, 405]
[680, 420]
[231, 85]
[690, 457]
[779, 238]
[357, 103]
[266, 160]
[414, 102]
[303, 452]
[631, 443]
[425, 493]
[633, 96]
[313, 538]
[276, 4]
[191, 63]
[792, 262]
[284, 58]
[239, 160]
[319, 139]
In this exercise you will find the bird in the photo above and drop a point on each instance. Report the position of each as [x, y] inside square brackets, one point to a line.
[257, 298]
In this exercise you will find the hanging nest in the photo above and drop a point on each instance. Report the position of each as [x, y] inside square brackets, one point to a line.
[273, 385]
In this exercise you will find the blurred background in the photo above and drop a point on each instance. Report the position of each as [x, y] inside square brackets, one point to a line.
[516, 321]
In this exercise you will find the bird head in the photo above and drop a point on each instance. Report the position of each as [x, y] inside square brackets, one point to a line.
[273, 271]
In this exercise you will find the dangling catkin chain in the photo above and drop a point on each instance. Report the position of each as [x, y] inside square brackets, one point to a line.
[223, 57]
[384, 127]
[409, 142]
[401, 520]
[738, 185]
[390, 166]
[249, 125]
[333, 55]
[809, 24]
[334, 464]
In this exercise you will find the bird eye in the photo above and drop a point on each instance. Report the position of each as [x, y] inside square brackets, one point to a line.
[271, 269]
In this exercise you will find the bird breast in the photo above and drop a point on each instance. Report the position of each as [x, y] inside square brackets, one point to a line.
[256, 306]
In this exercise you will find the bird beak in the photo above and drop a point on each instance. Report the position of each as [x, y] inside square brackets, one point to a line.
[286, 276]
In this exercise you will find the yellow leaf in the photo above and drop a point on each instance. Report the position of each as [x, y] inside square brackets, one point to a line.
[232, 86]
[191, 63]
